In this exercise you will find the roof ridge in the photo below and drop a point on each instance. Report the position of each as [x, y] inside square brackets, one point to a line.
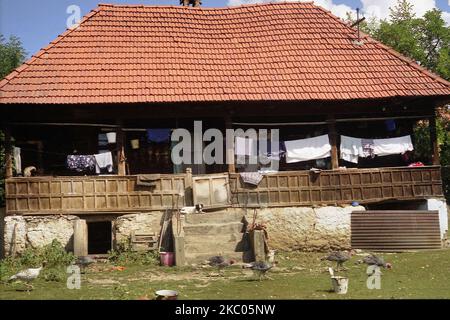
[392, 51]
[43, 50]
[114, 5]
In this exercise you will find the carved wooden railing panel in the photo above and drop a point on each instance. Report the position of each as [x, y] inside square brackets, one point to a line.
[44, 195]
[306, 188]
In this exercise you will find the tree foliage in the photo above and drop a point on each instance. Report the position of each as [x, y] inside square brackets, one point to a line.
[12, 55]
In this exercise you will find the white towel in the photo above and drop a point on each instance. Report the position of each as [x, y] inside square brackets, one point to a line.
[308, 149]
[17, 160]
[103, 160]
[245, 147]
[384, 147]
[351, 149]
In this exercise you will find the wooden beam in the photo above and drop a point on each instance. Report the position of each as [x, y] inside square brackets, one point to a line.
[333, 141]
[121, 159]
[8, 154]
[229, 157]
[435, 159]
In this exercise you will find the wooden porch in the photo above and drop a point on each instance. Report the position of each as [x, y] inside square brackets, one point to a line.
[113, 194]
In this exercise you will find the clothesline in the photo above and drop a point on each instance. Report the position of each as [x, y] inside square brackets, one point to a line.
[319, 147]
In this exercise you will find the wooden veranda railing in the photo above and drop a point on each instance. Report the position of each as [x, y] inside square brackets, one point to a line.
[121, 194]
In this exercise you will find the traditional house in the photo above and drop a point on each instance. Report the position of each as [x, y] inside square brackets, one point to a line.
[108, 92]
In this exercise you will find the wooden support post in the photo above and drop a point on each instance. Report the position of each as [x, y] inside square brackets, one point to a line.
[178, 240]
[434, 141]
[121, 159]
[230, 146]
[259, 250]
[80, 238]
[333, 141]
[8, 154]
[188, 194]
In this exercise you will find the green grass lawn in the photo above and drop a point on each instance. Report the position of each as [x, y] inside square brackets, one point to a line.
[297, 276]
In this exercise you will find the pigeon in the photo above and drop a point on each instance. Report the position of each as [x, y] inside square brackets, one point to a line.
[219, 262]
[260, 268]
[340, 257]
[373, 260]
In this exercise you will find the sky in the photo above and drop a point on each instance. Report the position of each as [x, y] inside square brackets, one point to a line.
[37, 23]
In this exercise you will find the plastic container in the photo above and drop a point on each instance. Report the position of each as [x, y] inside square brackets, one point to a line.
[167, 258]
[111, 136]
[340, 284]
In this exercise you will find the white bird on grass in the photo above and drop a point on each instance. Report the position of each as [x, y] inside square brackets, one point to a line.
[27, 276]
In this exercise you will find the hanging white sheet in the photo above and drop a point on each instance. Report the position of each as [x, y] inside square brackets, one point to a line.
[308, 149]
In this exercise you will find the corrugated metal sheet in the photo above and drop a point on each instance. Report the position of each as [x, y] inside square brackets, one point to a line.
[395, 230]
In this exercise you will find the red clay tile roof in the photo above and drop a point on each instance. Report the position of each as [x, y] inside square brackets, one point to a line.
[282, 51]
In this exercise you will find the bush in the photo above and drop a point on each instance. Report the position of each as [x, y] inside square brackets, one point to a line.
[54, 274]
[54, 254]
[124, 255]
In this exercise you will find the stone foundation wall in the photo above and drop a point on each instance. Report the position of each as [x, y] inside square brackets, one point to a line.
[306, 228]
[139, 223]
[21, 232]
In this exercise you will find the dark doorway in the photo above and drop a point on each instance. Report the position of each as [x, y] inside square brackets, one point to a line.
[99, 237]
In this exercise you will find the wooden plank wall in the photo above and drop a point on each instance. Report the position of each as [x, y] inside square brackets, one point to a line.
[334, 187]
[395, 230]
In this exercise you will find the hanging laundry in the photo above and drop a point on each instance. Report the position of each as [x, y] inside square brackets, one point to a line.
[384, 147]
[273, 151]
[103, 161]
[147, 180]
[81, 163]
[17, 160]
[272, 168]
[308, 149]
[245, 147]
[351, 149]
[368, 148]
[158, 135]
[253, 178]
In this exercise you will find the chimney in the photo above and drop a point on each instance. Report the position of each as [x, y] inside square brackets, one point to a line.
[194, 3]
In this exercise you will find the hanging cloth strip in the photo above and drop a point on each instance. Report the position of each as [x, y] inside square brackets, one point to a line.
[308, 149]
[17, 160]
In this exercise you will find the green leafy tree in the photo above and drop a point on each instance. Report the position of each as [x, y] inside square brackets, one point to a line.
[12, 55]
[426, 40]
